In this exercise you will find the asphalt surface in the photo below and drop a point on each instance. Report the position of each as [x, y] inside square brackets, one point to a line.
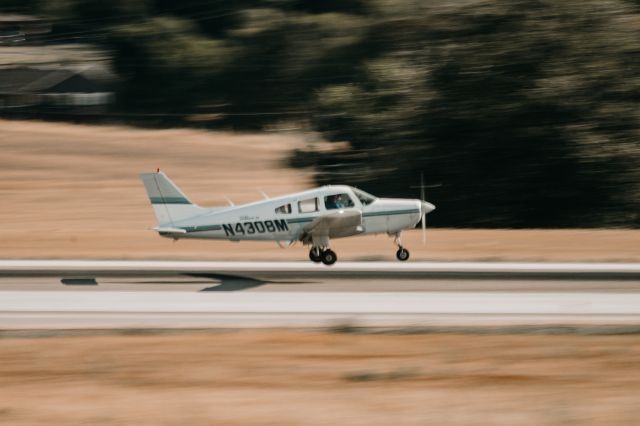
[84, 294]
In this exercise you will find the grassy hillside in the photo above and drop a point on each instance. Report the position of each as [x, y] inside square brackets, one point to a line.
[71, 191]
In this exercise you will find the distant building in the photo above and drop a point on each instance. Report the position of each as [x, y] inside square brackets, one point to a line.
[39, 76]
[15, 29]
[58, 90]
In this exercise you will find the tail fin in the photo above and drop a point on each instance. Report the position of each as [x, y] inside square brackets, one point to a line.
[169, 203]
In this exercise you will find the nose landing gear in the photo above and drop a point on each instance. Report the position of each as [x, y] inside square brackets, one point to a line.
[402, 254]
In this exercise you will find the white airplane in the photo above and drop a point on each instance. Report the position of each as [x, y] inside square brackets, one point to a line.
[313, 217]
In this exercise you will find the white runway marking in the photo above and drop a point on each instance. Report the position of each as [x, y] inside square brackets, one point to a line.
[197, 266]
[51, 309]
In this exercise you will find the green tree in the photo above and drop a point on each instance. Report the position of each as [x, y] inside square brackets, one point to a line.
[520, 113]
[166, 65]
[470, 97]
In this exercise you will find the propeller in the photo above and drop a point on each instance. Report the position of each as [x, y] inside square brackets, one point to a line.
[424, 211]
[425, 207]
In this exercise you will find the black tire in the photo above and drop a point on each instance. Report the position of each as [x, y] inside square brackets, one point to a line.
[316, 258]
[329, 257]
[402, 254]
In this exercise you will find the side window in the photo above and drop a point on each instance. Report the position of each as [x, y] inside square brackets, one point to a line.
[338, 201]
[307, 206]
[285, 209]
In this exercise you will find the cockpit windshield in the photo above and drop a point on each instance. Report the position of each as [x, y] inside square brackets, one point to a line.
[364, 198]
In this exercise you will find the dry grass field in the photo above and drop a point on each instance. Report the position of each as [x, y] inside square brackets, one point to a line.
[316, 378]
[72, 191]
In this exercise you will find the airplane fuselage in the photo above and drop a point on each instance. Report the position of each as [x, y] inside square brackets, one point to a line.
[314, 217]
[261, 221]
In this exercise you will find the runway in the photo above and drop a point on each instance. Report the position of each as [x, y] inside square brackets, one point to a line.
[85, 294]
[350, 269]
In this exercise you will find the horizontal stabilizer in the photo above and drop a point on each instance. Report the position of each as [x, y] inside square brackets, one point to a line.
[165, 230]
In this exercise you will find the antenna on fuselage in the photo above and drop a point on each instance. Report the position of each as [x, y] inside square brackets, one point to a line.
[229, 201]
[264, 194]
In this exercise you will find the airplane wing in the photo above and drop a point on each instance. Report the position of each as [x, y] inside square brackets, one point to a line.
[340, 223]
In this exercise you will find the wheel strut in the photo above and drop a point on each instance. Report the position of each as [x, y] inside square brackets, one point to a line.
[402, 254]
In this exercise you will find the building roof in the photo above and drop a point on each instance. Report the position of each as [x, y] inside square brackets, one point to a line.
[15, 19]
[31, 80]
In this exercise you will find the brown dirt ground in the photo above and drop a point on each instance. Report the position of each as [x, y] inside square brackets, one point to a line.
[316, 378]
[72, 191]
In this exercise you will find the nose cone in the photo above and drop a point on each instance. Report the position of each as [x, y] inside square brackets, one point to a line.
[427, 207]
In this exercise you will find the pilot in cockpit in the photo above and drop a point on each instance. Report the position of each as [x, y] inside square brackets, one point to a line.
[334, 202]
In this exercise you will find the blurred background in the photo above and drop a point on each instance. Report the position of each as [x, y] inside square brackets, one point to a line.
[509, 114]
[520, 114]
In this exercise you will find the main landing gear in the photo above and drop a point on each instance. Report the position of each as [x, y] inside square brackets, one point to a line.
[402, 254]
[326, 256]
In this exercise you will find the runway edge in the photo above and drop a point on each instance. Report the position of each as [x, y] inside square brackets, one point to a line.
[622, 271]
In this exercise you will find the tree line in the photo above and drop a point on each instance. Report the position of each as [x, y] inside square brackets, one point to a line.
[519, 113]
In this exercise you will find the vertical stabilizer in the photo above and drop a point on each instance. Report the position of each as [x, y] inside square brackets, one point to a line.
[169, 203]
